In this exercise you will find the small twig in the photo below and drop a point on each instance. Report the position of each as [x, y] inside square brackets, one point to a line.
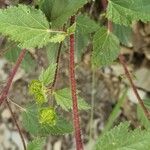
[57, 65]
[122, 61]
[5, 90]
[79, 144]
[17, 125]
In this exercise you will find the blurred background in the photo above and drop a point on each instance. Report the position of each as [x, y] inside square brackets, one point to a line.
[107, 88]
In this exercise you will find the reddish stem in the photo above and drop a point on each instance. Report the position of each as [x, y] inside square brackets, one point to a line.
[5, 90]
[122, 61]
[79, 144]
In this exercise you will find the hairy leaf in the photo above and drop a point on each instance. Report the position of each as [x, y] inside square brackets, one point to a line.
[63, 9]
[47, 76]
[86, 25]
[105, 48]
[52, 50]
[28, 26]
[36, 144]
[121, 138]
[31, 124]
[126, 11]
[124, 34]
[63, 98]
[71, 29]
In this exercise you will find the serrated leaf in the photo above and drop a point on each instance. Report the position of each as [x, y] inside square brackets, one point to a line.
[58, 38]
[124, 34]
[121, 138]
[63, 9]
[47, 76]
[26, 25]
[86, 25]
[28, 62]
[126, 11]
[31, 124]
[105, 48]
[63, 98]
[36, 144]
[71, 29]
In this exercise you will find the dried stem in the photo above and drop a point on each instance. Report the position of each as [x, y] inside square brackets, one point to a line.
[79, 144]
[122, 61]
[5, 90]
[17, 125]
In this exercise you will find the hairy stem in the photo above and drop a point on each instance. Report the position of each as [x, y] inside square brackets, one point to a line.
[79, 144]
[17, 125]
[5, 90]
[122, 61]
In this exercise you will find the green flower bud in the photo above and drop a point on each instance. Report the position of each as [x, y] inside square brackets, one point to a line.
[47, 116]
[39, 91]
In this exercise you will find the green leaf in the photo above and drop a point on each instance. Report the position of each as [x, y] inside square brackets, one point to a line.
[36, 144]
[71, 29]
[63, 98]
[124, 34]
[105, 48]
[121, 138]
[142, 118]
[86, 25]
[82, 41]
[63, 9]
[28, 26]
[58, 38]
[28, 62]
[126, 11]
[32, 125]
[47, 76]
[52, 50]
